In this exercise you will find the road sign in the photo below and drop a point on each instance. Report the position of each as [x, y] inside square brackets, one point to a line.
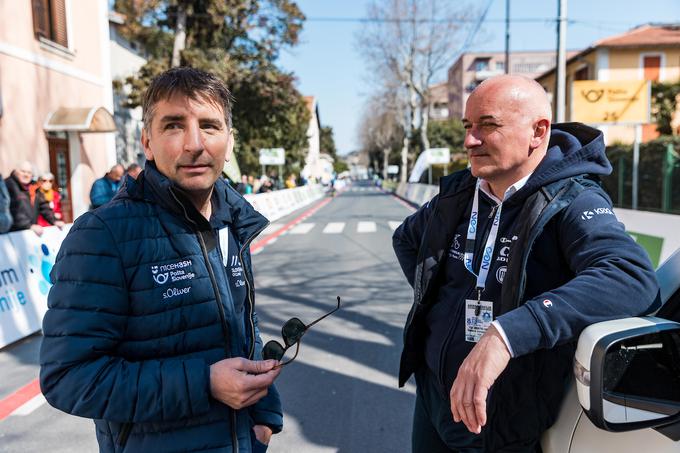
[392, 169]
[621, 102]
[272, 156]
[438, 156]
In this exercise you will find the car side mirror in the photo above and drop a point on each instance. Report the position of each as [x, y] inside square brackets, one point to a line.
[628, 375]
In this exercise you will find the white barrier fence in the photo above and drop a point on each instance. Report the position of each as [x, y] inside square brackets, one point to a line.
[25, 264]
[656, 232]
[274, 205]
[26, 261]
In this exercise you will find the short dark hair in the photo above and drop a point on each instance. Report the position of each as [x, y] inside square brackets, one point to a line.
[133, 166]
[189, 82]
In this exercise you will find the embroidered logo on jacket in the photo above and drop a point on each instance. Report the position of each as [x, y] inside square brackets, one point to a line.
[172, 272]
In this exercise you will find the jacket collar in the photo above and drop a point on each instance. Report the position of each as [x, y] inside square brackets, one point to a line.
[229, 207]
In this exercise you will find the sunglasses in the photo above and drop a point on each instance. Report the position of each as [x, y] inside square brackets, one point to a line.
[291, 332]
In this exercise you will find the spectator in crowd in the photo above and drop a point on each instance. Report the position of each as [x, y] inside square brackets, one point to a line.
[290, 181]
[44, 195]
[254, 183]
[24, 211]
[5, 214]
[134, 170]
[106, 187]
[244, 187]
[265, 185]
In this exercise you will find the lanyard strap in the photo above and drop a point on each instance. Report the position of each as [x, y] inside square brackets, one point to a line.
[488, 247]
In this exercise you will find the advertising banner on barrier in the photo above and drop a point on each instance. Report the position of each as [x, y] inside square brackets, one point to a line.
[25, 264]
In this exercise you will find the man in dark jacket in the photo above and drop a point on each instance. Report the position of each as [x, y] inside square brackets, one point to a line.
[151, 329]
[509, 263]
[24, 211]
[104, 189]
[5, 213]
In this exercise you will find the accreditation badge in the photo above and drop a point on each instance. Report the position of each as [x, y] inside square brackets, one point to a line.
[478, 317]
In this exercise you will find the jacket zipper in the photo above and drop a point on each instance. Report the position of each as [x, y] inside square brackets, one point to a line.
[251, 304]
[447, 340]
[218, 298]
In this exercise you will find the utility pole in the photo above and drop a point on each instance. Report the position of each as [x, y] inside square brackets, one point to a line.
[507, 36]
[561, 68]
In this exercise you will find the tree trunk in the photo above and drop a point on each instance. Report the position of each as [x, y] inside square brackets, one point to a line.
[180, 36]
[404, 159]
[424, 120]
[386, 161]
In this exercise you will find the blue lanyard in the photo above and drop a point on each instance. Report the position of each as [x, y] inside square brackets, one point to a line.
[488, 247]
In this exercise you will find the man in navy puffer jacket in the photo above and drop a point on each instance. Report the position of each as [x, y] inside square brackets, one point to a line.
[509, 263]
[151, 329]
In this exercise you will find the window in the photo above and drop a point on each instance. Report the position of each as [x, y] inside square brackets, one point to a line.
[500, 66]
[581, 74]
[49, 20]
[481, 64]
[652, 67]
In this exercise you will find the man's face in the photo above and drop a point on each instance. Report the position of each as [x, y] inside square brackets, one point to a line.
[24, 175]
[498, 135]
[189, 141]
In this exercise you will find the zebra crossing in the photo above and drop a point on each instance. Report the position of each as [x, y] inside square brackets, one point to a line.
[332, 227]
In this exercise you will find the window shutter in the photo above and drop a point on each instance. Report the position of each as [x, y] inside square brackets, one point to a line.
[41, 18]
[59, 22]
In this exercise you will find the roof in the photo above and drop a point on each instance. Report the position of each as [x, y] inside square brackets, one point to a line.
[656, 35]
[647, 35]
[84, 119]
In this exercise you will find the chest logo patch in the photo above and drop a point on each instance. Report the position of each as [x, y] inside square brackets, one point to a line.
[172, 272]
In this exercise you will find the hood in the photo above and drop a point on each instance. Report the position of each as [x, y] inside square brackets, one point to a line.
[574, 149]
[229, 207]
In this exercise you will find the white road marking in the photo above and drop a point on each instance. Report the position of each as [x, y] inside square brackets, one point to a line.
[272, 228]
[302, 228]
[366, 227]
[394, 225]
[29, 406]
[334, 228]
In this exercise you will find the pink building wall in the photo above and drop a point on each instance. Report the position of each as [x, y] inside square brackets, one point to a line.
[37, 78]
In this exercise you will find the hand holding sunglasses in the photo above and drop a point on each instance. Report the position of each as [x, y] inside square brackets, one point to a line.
[291, 332]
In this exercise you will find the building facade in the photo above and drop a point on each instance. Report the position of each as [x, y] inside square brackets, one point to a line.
[648, 52]
[126, 60]
[473, 68]
[55, 89]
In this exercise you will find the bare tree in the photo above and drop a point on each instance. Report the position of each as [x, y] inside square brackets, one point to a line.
[406, 44]
[380, 131]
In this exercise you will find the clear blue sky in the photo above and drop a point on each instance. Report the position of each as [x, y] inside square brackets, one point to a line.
[329, 67]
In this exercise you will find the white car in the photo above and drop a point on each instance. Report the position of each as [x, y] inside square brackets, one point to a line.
[626, 394]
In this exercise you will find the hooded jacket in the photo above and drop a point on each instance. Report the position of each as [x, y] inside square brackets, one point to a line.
[140, 308]
[561, 262]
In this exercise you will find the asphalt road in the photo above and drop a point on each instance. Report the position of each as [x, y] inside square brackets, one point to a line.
[341, 393]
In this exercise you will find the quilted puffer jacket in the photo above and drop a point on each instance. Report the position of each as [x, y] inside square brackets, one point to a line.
[139, 310]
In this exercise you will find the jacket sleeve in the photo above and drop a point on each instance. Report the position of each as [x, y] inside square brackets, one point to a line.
[408, 236]
[80, 372]
[613, 279]
[268, 410]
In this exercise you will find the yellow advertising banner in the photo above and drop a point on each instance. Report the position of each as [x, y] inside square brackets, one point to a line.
[625, 101]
